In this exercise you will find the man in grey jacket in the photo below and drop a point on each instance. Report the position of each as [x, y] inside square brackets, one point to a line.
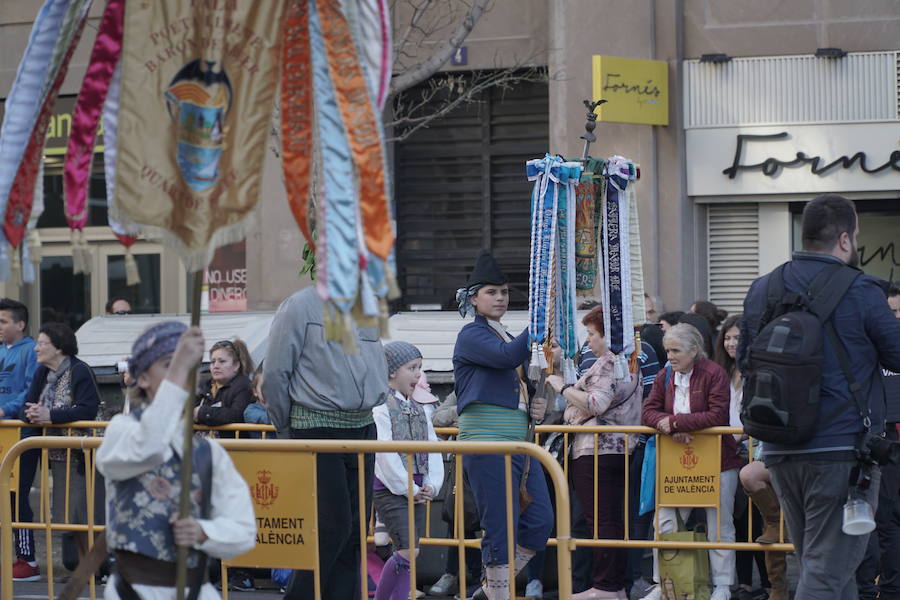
[314, 390]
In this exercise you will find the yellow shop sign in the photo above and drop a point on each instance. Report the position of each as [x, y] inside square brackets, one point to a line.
[689, 473]
[635, 90]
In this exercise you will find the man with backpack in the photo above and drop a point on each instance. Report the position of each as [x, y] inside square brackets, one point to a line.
[814, 333]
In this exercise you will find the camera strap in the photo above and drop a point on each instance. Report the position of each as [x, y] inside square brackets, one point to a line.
[825, 293]
[855, 388]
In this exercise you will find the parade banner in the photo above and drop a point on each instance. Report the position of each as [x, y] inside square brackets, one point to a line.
[199, 80]
[688, 474]
[284, 503]
[8, 437]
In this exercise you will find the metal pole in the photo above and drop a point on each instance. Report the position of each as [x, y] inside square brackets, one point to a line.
[589, 125]
[184, 505]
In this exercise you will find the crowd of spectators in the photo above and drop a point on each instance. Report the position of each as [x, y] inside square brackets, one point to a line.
[687, 377]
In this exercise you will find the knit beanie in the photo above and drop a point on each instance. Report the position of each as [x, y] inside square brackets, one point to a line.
[398, 354]
[156, 342]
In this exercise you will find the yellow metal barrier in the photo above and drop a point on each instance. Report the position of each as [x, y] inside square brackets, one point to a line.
[238, 428]
[563, 541]
[558, 475]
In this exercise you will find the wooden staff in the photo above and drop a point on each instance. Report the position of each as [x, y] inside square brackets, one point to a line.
[184, 506]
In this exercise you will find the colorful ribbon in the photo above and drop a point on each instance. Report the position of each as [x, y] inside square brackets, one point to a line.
[339, 210]
[568, 174]
[34, 78]
[589, 193]
[21, 193]
[362, 126]
[544, 198]
[296, 113]
[91, 98]
[617, 301]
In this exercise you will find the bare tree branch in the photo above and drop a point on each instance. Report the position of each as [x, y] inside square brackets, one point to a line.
[425, 69]
[420, 110]
[420, 9]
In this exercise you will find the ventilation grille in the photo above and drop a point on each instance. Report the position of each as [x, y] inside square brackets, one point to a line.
[792, 89]
[733, 232]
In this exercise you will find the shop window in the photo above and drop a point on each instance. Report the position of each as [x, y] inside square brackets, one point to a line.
[65, 297]
[54, 199]
[460, 186]
[144, 297]
[879, 237]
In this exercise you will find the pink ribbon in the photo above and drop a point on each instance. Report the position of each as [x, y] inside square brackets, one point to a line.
[80, 152]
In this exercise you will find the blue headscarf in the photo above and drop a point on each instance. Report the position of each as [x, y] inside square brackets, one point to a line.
[464, 299]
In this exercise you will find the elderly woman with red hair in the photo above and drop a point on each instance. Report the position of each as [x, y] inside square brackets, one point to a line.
[600, 398]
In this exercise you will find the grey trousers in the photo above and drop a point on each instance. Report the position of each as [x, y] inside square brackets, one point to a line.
[812, 490]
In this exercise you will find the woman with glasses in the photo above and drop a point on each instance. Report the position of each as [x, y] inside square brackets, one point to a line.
[228, 393]
[63, 390]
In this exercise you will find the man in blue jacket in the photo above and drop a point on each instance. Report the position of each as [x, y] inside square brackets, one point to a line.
[812, 480]
[17, 358]
[17, 365]
[879, 574]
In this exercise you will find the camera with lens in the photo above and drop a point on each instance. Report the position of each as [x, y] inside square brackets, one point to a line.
[877, 449]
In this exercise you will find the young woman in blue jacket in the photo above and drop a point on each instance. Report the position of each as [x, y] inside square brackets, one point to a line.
[494, 404]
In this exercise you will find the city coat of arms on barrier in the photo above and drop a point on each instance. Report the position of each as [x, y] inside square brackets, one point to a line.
[264, 491]
[688, 459]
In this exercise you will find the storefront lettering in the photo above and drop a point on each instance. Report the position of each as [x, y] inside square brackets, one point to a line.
[646, 89]
[771, 166]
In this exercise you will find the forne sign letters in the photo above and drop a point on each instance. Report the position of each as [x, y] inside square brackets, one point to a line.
[793, 159]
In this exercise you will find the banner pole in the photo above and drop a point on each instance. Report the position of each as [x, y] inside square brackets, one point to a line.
[184, 505]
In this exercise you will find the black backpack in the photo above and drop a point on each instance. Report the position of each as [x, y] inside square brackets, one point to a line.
[783, 368]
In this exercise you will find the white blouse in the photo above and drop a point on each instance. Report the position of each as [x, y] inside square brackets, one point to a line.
[131, 447]
[734, 412]
[390, 468]
[683, 393]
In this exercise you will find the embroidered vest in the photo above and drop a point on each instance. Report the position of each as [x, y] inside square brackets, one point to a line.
[138, 509]
[409, 423]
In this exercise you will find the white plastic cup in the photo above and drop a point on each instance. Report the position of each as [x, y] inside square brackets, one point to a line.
[858, 517]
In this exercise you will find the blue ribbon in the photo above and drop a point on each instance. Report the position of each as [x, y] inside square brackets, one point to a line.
[341, 215]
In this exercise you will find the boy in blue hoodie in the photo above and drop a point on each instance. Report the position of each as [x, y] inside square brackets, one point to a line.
[17, 358]
[18, 362]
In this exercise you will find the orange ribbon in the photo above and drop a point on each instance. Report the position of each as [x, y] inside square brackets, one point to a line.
[362, 127]
[296, 113]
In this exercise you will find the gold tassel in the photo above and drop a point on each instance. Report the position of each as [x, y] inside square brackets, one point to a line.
[393, 288]
[76, 253]
[15, 272]
[633, 365]
[384, 316]
[348, 339]
[86, 258]
[132, 276]
[328, 323]
[35, 251]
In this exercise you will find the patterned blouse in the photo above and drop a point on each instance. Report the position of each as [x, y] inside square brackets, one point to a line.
[610, 401]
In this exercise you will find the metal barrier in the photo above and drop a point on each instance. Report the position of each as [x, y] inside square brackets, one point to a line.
[237, 428]
[569, 431]
[559, 476]
[361, 448]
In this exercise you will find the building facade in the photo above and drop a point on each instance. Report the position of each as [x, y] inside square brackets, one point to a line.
[721, 183]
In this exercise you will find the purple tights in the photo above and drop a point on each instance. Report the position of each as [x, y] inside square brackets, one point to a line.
[394, 582]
